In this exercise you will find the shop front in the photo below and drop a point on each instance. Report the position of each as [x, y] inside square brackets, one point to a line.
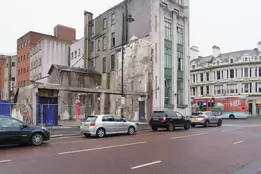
[254, 106]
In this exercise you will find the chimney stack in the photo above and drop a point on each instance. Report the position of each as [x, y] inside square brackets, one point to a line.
[259, 46]
[215, 51]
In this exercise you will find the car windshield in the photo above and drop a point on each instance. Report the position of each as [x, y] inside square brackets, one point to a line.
[197, 114]
[158, 114]
[91, 118]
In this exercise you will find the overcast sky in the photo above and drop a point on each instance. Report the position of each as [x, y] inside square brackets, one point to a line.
[230, 24]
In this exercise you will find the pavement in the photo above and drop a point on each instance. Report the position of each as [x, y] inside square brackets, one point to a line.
[233, 148]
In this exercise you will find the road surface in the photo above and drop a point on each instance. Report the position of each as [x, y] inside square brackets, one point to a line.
[232, 148]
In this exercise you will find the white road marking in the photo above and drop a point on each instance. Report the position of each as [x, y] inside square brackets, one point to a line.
[60, 137]
[101, 148]
[238, 142]
[228, 130]
[5, 161]
[145, 165]
[185, 136]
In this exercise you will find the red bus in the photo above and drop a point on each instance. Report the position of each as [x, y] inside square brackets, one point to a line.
[228, 106]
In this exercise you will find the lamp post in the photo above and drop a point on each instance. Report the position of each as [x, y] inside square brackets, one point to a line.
[125, 19]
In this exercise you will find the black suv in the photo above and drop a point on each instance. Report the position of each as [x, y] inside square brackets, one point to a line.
[13, 131]
[169, 120]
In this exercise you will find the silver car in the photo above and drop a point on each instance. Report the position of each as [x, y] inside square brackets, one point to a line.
[205, 118]
[102, 125]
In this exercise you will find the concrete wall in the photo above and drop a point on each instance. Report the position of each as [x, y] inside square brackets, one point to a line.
[44, 54]
[77, 54]
[66, 100]
[137, 74]
[10, 67]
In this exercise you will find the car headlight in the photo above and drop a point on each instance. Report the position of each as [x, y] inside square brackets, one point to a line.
[44, 128]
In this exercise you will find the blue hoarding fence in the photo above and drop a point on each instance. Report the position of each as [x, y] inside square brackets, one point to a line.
[5, 108]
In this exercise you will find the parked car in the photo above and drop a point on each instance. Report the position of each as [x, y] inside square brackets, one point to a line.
[13, 131]
[205, 118]
[169, 120]
[102, 125]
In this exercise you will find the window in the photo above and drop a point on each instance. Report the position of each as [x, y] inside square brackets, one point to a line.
[156, 52]
[113, 19]
[231, 61]
[256, 72]
[18, 72]
[112, 39]
[193, 66]
[180, 57]
[99, 43]
[259, 71]
[193, 91]
[258, 87]
[92, 46]
[25, 44]
[117, 119]
[107, 118]
[113, 62]
[250, 72]
[75, 54]
[104, 23]
[232, 75]
[245, 59]
[72, 55]
[13, 64]
[201, 77]
[227, 74]
[246, 72]
[28, 69]
[28, 42]
[232, 88]
[201, 90]
[194, 78]
[207, 90]
[10, 123]
[24, 57]
[218, 75]
[24, 83]
[104, 43]
[104, 65]
[79, 52]
[246, 87]
[218, 89]
[178, 114]
[156, 23]
[207, 76]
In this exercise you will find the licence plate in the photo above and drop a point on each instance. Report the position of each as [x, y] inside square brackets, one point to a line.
[195, 121]
[155, 119]
[85, 126]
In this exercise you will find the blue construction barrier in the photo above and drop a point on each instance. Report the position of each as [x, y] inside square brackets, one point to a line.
[5, 108]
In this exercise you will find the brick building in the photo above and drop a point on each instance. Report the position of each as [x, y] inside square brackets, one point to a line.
[24, 43]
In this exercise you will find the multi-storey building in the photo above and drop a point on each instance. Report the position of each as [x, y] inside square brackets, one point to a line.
[2, 76]
[31, 38]
[77, 54]
[45, 53]
[10, 77]
[165, 23]
[233, 73]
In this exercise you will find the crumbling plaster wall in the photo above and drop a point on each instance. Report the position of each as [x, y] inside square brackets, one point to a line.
[138, 56]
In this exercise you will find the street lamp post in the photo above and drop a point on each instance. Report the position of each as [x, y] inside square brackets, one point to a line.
[126, 19]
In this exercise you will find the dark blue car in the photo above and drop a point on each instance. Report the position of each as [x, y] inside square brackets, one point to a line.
[13, 131]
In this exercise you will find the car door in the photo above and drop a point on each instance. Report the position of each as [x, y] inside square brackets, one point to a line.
[211, 117]
[215, 118]
[11, 130]
[118, 125]
[180, 119]
[107, 124]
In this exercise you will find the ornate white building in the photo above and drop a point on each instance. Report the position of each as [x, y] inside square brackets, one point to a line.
[233, 73]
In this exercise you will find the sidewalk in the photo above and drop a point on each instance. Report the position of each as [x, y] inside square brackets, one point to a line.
[64, 131]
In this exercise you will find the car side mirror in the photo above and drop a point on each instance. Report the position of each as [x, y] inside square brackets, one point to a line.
[23, 126]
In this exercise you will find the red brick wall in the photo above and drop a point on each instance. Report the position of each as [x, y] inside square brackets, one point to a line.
[65, 33]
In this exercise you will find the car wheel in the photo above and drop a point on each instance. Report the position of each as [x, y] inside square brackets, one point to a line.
[170, 127]
[131, 130]
[187, 125]
[206, 124]
[231, 116]
[154, 128]
[193, 125]
[100, 133]
[219, 123]
[37, 139]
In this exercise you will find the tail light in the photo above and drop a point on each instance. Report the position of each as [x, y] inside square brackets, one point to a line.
[201, 116]
[93, 124]
[191, 117]
[164, 120]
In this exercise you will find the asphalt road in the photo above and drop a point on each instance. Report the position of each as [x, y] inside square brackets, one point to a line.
[232, 148]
